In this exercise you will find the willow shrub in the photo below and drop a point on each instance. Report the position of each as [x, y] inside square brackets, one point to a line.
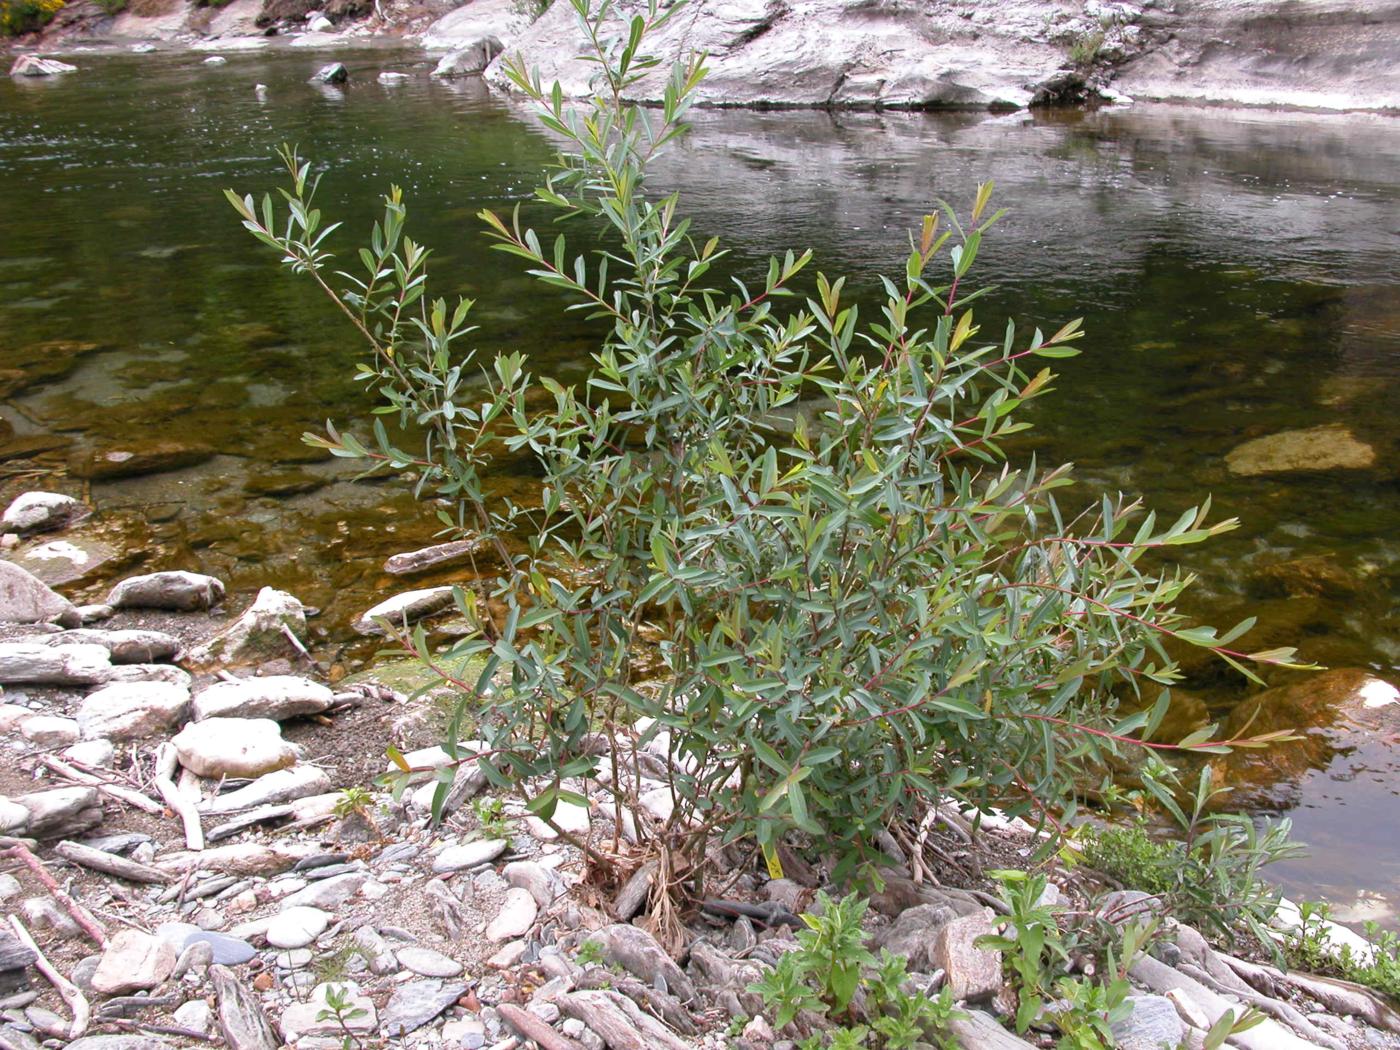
[861, 607]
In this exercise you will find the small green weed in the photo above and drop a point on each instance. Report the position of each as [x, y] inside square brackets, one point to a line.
[1211, 877]
[491, 818]
[353, 800]
[336, 965]
[1310, 947]
[340, 1009]
[1038, 956]
[589, 952]
[829, 970]
[1084, 52]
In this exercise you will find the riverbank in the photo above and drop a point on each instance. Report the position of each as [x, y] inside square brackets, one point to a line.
[206, 798]
[1329, 56]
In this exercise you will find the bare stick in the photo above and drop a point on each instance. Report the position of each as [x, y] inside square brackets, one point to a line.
[166, 762]
[121, 794]
[72, 997]
[296, 643]
[161, 1029]
[110, 863]
[81, 915]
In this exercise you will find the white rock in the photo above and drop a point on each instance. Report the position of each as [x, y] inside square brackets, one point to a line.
[469, 854]
[99, 753]
[516, 916]
[215, 60]
[49, 730]
[276, 697]
[296, 927]
[405, 608]
[64, 810]
[42, 511]
[133, 961]
[176, 591]
[319, 23]
[572, 818]
[196, 1016]
[233, 747]
[14, 818]
[167, 673]
[388, 76]
[327, 893]
[128, 710]
[283, 785]
[143, 48]
[34, 66]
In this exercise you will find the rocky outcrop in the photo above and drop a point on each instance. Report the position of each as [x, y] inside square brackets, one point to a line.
[850, 53]
[1322, 54]
[836, 52]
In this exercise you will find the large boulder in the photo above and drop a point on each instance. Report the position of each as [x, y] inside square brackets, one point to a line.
[276, 697]
[24, 598]
[43, 512]
[503, 19]
[233, 747]
[462, 62]
[259, 634]
[176, 591]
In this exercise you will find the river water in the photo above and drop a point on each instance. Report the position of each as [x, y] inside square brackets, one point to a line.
[1236, 272]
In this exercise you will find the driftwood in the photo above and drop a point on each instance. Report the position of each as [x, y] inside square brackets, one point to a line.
[104, 787]
[109, 863]
[72, 997]
[528, 1026]
[1337, 997]
[166, 763]
[80, 915]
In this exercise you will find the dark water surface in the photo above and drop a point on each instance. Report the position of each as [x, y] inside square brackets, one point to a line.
[1237, 273]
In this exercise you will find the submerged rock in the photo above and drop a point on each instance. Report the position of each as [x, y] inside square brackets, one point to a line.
[1348, 721]
[155, 458]
[333, 73]
[64, 561]
[1330, 447]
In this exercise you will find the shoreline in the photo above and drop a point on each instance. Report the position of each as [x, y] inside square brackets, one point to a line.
[853, 63]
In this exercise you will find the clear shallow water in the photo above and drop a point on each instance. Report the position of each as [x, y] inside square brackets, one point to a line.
[1236, 273]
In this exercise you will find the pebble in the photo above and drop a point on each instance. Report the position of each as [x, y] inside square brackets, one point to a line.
[517, 915]
[427, 963]
[469, 854]
[296, 927]
[415, 1003]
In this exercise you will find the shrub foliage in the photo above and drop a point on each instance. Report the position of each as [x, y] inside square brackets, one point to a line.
[804, 508]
